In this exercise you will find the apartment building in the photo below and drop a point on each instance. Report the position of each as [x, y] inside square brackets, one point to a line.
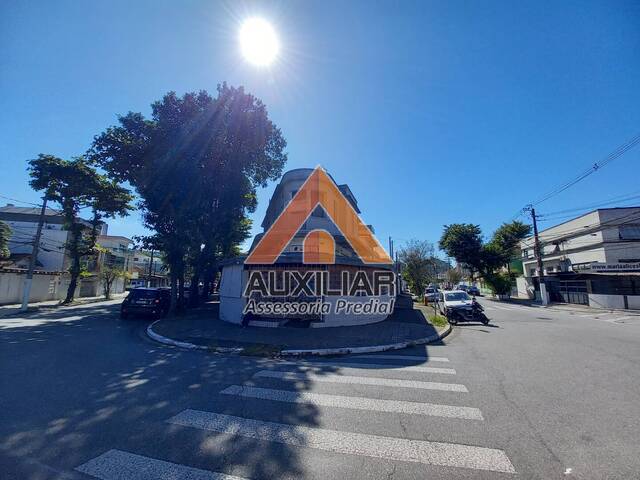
[593, 259]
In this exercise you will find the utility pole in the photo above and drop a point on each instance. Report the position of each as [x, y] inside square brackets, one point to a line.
[26, 290]
[538, 253]
[150, 266]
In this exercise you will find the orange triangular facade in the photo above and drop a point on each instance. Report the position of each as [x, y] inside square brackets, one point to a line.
[318, 189]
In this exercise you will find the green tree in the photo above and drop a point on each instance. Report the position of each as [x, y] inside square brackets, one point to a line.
[463, 241]
[108, 275]
[417, 264]
[196, 165]
[5, 235]
[74, 185]
[454, 276]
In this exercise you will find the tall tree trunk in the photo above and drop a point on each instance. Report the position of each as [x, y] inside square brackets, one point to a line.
[75, 264]
[73, 284]
[174, 290]
[194, 293]
[181, 303]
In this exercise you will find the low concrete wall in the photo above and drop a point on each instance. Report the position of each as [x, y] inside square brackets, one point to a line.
[44, 287]
[614, 301]
[634, 302]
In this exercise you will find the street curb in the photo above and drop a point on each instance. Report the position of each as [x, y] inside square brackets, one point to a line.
[594, 310]
[296, 353]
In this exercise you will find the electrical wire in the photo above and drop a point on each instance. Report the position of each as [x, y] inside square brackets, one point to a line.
[586, 229]
[617, 153]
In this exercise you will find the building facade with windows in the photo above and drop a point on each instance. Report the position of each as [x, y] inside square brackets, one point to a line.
[593, 259]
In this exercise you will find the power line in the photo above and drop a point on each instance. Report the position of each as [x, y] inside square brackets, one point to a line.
[618, 152]
[622, 149]
[587, 229]
[619, 198]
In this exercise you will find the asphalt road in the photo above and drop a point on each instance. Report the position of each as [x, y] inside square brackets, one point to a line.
[538, 393]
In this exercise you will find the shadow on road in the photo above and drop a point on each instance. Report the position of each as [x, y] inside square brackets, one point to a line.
[79, 382]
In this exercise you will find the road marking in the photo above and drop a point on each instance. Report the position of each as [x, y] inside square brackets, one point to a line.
[119, 465]
[356, 403]
[405, 357]
[504, 307]
[376, 366]
[390, 448]
[354, 380]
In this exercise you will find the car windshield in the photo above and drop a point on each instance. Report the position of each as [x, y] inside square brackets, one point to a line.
[456, 296]
[144, 293]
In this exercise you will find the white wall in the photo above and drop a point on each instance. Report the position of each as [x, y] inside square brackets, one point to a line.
[43, 288]
[606, 301]
[52, 240]
[231, 300]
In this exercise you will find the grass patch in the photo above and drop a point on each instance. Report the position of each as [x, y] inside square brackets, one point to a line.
[261, 350]
[438, 320]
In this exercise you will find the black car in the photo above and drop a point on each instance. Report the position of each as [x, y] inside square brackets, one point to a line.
[473, 290]
[146, 301]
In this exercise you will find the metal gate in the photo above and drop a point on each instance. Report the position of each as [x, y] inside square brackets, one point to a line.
[568, 291]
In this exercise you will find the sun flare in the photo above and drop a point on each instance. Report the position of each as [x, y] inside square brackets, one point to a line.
[259, 42]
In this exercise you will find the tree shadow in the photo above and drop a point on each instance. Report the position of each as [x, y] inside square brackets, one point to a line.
[78, 384]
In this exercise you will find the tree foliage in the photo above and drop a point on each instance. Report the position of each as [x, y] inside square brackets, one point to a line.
[464, 243]
[454, 276]
[5, 235]
[108, 275]
[196, 165]
[75, 185]
[417, 264]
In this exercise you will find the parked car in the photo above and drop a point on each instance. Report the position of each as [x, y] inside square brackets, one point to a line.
[146, 301]
[473, 290]
[431, 294]
[458, 306]
[462, 288]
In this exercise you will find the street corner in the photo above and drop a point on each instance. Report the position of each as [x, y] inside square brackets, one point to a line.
[206, 333]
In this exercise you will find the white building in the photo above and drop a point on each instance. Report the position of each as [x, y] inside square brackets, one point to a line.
[593, 259]
[23, 222]
[148, 270]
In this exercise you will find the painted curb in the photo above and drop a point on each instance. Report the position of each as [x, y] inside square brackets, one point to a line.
[296, 353]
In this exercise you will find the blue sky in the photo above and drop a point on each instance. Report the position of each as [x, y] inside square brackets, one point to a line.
[432, 112]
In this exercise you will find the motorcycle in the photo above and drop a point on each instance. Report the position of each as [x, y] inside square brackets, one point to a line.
[467, 313]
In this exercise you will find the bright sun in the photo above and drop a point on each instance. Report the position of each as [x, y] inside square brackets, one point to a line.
[258, 42]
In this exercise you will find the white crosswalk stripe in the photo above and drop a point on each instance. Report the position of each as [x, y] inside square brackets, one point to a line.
[404, 357]
[390, 448]
[358, 380]
[120, 465]
[373, 366]
[356, 403]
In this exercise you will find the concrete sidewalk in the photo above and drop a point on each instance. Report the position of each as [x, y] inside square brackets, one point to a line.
[204, 330]
[14, 309]
[565, 307]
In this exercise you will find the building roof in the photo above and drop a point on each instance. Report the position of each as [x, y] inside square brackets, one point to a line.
[344, 188]
[10, 208]
[589, 213]
[576, 233]
[32, 214]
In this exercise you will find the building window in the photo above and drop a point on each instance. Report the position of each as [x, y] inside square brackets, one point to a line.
[629, 232]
